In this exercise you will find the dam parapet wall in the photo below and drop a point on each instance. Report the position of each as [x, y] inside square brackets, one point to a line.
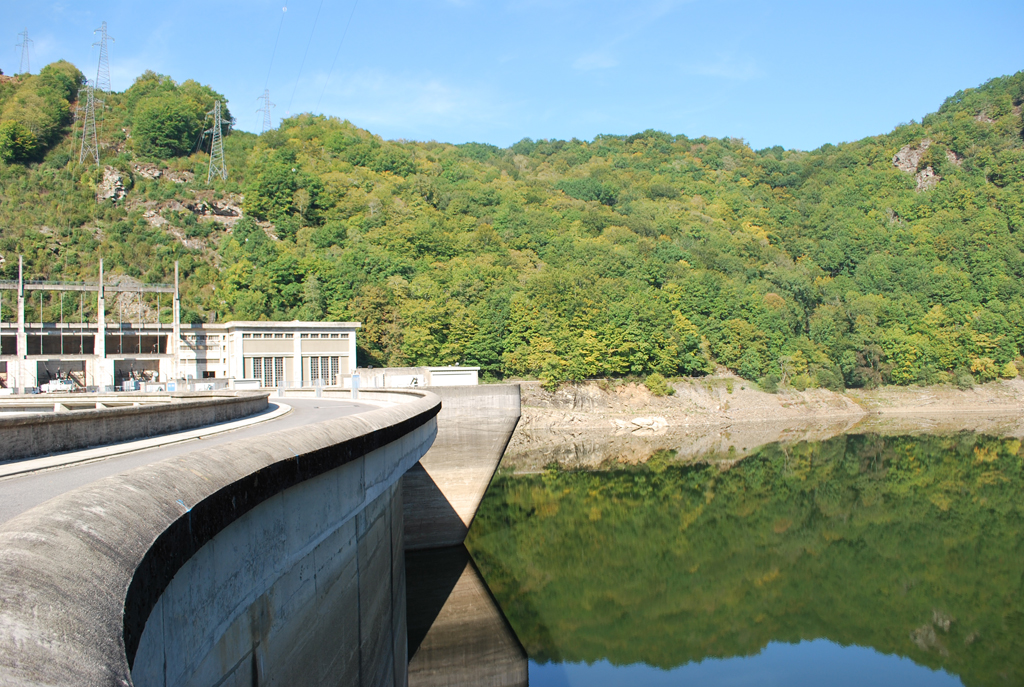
[152, 571]
[113, 418]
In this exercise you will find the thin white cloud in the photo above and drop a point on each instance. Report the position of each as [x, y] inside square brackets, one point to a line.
[595, 60]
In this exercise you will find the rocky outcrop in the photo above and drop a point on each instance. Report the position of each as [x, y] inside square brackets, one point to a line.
[908, 157]
[147, 171]
[112, 186]
[926, 179]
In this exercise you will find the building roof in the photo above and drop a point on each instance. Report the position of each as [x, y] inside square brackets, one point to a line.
[258, 324]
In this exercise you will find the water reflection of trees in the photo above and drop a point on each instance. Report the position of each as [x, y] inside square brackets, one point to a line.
[909, 545]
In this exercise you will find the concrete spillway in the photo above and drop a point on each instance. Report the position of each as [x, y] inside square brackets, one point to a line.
[279, 561]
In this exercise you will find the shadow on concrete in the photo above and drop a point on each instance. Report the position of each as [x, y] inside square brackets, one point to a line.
[429, 515]
[458, 635]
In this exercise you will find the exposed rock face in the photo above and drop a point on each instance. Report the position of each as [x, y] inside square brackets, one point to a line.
[112, 186]
[953, 158]
[926, 179]
[153, 172]
[909, 156]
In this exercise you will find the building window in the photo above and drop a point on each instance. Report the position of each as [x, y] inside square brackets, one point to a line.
[324, 369]
[289, 336]
[270, 371]
[304, 336]
[209, 374]
[246, 336]
[335, 336]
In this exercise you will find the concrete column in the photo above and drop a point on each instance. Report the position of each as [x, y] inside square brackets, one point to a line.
[353, 364]
[176, 329]
[21, 366]
[236, 357]
[104, 373]
[297, 362]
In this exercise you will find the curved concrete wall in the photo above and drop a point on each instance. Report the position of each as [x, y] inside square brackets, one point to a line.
[45, 433]
[443, 491]
[81, 575]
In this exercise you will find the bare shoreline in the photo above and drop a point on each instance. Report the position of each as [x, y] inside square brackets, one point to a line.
[723, 419]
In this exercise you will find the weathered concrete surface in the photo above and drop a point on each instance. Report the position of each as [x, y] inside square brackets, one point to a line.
[443, 492]
[458, 636]
[334, 613]
[81, 574]
[42, 434]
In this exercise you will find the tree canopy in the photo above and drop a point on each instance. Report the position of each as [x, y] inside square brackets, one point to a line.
[894, 259]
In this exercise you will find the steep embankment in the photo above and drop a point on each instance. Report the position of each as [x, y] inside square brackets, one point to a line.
[725, 418]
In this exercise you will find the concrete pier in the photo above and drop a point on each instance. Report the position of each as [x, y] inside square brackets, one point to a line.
[444, 490]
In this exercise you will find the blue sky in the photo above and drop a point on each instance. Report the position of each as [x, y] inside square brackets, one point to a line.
[796, 74]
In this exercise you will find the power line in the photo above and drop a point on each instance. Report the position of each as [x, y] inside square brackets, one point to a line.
[338, 52]
[303, 63]
[217, 165]
[265, 99]
[26, 67]
[273, 52]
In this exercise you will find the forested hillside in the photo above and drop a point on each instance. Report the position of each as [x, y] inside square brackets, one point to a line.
[894, 259]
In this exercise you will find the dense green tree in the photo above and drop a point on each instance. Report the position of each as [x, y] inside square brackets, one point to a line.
[561, 260]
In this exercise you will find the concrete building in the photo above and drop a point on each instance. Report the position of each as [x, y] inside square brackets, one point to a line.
[105, 356]
[273, 353]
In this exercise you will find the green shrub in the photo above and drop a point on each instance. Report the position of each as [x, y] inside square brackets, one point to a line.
[829, 380]
[801, 382]
[657, 385]
[983, 369]
[963, 378]
[1009, 371]
[17, 143]
[769, 384]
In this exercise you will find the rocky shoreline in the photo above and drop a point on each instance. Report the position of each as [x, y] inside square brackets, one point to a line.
[725, 418]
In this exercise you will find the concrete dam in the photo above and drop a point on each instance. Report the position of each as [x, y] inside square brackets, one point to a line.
[277, 561]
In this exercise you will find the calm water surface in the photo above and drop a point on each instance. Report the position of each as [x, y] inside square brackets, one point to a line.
[860, 560]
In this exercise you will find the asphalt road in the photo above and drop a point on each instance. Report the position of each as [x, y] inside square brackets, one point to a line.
[21, 492]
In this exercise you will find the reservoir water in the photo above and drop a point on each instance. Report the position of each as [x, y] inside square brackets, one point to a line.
[863, 559]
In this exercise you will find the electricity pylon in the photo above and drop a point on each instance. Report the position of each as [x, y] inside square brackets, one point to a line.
[103, 68]
[90, 143]
[265, 99]
[25, 42]
[217, 165]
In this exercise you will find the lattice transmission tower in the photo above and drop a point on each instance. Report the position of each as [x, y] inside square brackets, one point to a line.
[90, 142]
[217, 165]
[26, 67]
[265, 109]
[102, 83]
